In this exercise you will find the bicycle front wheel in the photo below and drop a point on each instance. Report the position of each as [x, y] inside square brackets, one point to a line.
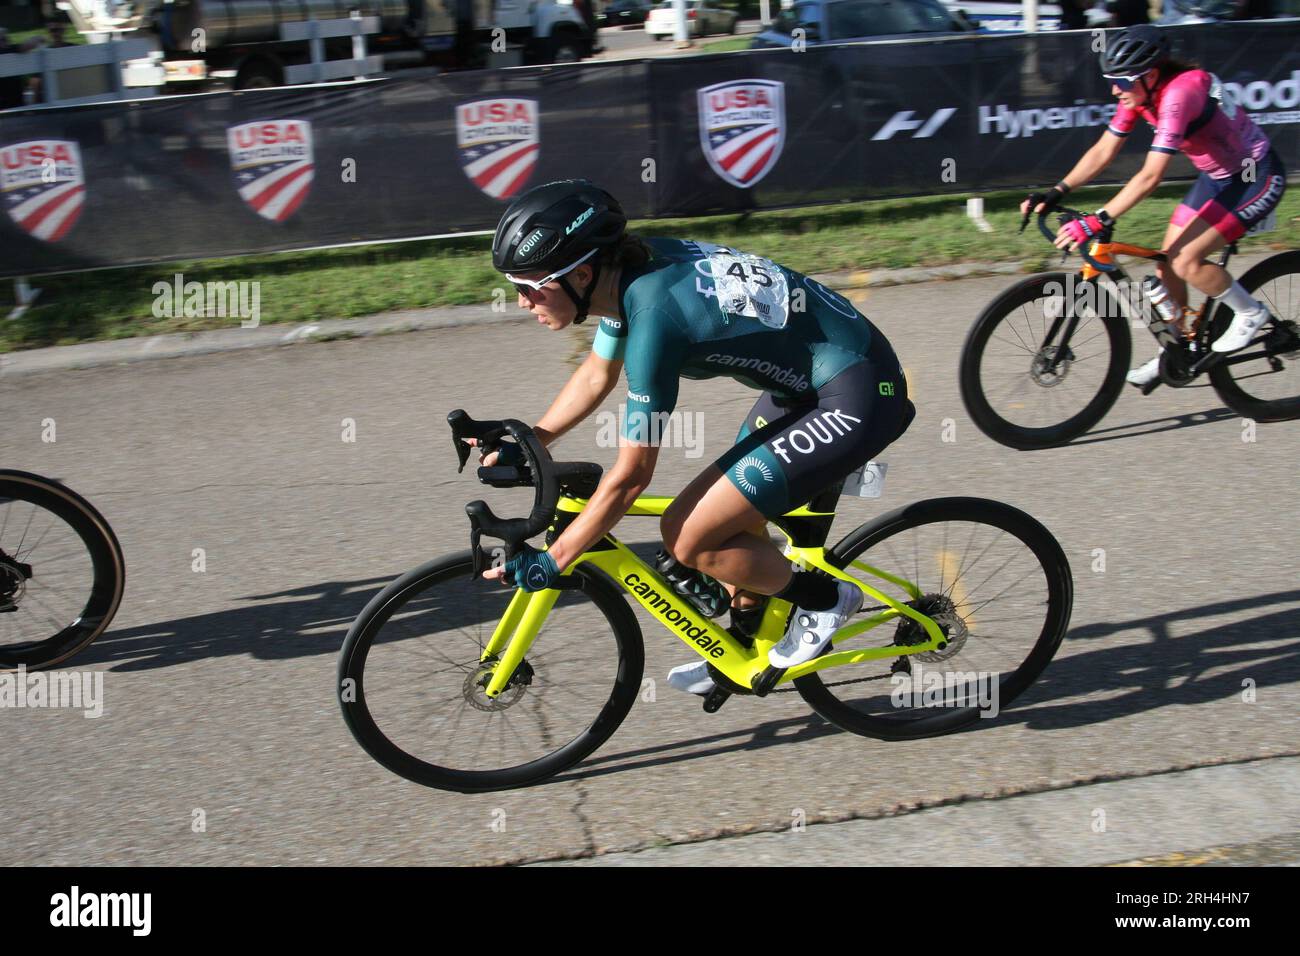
[1032, 379]
[411, 680]
[62, 574]
[1263, 380]
[995, 581]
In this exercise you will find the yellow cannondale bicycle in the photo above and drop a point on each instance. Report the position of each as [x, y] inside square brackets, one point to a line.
[462, 684]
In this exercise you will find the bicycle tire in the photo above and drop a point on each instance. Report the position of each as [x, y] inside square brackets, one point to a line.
[1060, 588]
[357, 645]
[1024, 438]
[109, 571]
[1222, 376]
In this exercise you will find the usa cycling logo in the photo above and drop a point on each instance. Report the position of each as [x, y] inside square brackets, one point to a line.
[750, 471]
[273, 166]
[497, 141]
[742, 128]
[43, 186]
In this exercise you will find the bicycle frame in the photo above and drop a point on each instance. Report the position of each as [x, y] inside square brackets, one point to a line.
[742, 665]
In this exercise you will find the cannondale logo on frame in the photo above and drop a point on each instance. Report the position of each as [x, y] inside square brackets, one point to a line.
[745, 473]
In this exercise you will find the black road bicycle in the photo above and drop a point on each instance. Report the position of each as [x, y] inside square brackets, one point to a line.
[1046, 359]
[62, 574]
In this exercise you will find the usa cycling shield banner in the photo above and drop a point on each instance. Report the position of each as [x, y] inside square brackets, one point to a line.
[419, 153]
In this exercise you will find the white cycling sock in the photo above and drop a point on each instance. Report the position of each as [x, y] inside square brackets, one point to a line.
[1238, 299]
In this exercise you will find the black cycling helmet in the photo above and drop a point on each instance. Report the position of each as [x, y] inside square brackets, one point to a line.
[1135, 50]
[553, 226]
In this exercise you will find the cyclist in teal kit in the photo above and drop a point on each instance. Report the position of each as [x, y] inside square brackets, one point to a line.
[834, 396]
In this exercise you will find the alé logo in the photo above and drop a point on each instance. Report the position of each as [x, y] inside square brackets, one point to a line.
[671, 615]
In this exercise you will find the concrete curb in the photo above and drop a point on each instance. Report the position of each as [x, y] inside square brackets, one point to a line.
[1211, 814]
[178, 344]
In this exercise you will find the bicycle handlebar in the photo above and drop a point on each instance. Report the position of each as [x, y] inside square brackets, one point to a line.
[543, 473]
[1066, 215]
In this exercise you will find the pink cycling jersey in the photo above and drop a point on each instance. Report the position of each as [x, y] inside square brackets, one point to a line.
[1222, 142]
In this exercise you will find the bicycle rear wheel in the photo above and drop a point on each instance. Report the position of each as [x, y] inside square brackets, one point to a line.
[412, 686]
[1026, 385]
[62, 574]
[995, 580]
[1266, 387]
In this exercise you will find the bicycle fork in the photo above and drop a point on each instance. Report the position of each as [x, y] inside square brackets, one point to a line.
[515, 632]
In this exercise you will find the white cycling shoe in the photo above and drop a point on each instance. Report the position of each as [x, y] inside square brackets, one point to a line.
[1145, 374]
[693, 678]
[1241, 331]
[810, 631]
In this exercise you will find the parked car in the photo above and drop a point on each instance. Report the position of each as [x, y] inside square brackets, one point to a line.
[625, 13]
[837, 21]
[701, 20]
[1010, 17]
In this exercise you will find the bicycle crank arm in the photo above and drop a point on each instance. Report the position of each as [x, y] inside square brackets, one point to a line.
[765, 680]
[1206, 362]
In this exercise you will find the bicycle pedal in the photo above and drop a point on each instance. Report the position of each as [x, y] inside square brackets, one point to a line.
[715, 699]
[1150, 387]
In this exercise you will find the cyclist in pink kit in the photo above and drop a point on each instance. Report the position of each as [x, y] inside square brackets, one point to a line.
[1242, 178]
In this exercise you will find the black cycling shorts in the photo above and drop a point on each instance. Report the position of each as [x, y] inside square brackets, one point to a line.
[786, 453]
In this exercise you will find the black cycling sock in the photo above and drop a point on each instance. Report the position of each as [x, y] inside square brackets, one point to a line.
[812, 592]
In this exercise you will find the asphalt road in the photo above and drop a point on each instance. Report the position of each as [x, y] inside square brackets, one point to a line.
[221, 740]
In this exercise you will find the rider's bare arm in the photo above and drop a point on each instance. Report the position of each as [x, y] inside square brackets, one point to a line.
[587, 387]
[1141, 185]
[618, 489]
[1100, 155]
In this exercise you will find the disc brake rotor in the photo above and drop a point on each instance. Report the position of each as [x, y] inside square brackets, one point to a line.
[474, 689]
[1042, 370]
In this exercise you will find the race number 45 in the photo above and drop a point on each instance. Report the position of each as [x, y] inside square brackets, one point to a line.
[751, 286]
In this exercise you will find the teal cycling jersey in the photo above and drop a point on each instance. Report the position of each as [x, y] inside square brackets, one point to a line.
[699, 310]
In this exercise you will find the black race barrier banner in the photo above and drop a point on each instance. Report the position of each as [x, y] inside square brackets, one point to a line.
[420, 153]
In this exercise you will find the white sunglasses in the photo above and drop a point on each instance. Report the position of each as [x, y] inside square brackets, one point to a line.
[539, 284]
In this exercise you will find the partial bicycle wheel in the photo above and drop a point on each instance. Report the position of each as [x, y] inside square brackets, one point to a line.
[996, 582]
[1266, 388]
[1023, 384]
[62, 573]
[412, 686]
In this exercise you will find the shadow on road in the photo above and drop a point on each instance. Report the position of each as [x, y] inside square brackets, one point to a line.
[1081, 689]
[1170, 423]
[299, 622]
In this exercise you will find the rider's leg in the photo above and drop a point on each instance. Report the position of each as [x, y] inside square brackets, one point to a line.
[1149, 371]
[1238, 204]
[1171, 280]
[711, 527]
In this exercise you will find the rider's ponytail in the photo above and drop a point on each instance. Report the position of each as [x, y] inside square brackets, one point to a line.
[1172, 67]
